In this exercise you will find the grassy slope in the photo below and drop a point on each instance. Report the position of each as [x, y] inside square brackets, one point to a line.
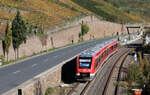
[50, 12]
[107, 11]
[136, 7]
[39, 12]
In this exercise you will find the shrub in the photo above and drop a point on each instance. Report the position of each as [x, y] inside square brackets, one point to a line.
[84, 29]
[49, 91]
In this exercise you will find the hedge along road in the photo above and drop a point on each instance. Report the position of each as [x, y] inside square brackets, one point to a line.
[13, 75]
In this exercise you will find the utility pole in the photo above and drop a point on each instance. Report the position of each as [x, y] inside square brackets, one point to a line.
[118, 36]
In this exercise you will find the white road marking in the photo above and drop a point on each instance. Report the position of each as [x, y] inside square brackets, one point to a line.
[16, 72]
[74, 48]
[34, 65]
[56, 56]
[64, 53]
[46, 60]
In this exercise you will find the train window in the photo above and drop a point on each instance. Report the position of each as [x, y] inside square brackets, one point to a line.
[104, 53]
[96, 63]
[112, 47]
[99, 59]
[85, 62]
[115, 45]
[101, 56]
[107, 51]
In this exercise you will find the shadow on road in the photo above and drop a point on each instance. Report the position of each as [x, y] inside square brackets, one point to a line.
[68, 71]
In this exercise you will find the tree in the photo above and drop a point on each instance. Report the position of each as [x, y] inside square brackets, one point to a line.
[18, 32]
[132, 78]
[7, 39]
[84, 30]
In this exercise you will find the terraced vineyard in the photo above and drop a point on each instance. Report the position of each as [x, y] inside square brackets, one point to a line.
[107, 11]
[135, 7]
[36, 12]
[51, 12]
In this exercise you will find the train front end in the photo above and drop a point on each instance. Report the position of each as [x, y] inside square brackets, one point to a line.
[84, 69]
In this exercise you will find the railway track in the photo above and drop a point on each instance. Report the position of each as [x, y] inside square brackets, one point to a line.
[120, 60]
[99, 85]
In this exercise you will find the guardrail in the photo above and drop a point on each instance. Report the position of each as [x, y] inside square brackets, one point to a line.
[125, 41]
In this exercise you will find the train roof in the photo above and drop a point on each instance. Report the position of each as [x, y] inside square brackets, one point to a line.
[92, 51]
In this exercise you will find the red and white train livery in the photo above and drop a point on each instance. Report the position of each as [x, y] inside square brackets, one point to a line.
[89, 61]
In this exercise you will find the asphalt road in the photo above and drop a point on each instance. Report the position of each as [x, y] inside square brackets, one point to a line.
[13, 75]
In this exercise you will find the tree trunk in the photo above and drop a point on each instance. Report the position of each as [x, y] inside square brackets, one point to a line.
[7, 56]
[17, 52]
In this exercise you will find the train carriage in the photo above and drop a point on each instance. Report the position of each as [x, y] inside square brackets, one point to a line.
[89, 61]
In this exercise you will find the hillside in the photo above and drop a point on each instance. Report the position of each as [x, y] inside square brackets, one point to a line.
[108, 11]
[37, 12]
[136, 7]
[52, 12]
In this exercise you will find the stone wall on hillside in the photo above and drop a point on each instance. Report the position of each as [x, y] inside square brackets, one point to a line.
[98, 29]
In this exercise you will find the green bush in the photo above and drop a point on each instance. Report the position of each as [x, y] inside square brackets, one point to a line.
[84, 29]
[2, 58]
[49, 91]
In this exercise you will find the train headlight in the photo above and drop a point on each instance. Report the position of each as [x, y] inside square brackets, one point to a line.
[78, 74]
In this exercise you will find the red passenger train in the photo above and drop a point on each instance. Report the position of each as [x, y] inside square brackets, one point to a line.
[89, 61]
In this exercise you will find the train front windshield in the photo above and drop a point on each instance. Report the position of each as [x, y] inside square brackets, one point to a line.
[85, 62]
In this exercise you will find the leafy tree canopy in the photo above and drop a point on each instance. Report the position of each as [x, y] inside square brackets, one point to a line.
[18, 31]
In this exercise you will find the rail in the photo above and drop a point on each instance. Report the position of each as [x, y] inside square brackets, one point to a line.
[87, 85]
[122, 58]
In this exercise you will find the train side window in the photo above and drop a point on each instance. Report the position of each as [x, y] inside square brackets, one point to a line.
[101, 56]
[111, 48]
[99, 59]
[105, 53]
[96, 63]
[115, 45]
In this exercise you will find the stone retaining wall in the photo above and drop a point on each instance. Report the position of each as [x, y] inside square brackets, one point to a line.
[52, 77]
[98, 29]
